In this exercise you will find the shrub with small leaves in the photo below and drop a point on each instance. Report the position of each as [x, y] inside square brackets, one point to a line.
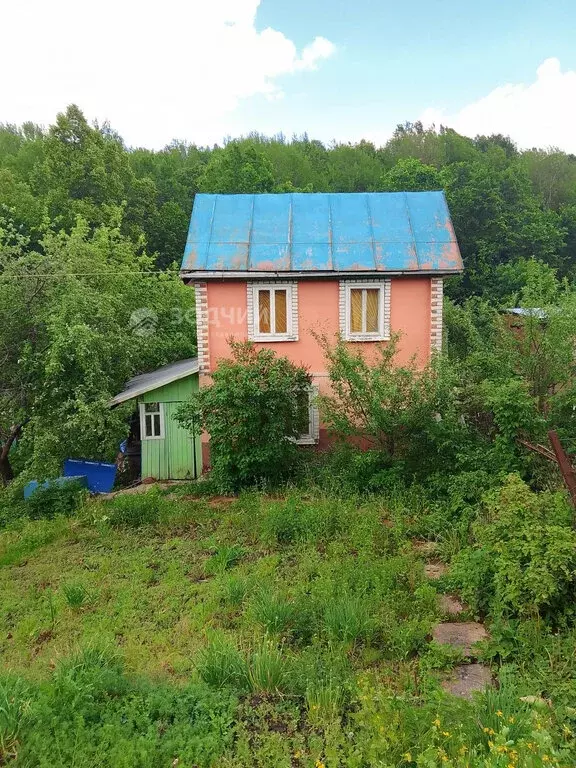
[252, 412]
[525, 557]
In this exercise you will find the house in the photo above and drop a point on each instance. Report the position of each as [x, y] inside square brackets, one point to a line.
[274, 267]
[168, 452]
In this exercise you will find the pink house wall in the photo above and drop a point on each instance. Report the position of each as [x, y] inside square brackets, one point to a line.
[318, 310]
[415, 312]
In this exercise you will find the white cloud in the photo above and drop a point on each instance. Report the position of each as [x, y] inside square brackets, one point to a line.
[156, 70]
[541, 114]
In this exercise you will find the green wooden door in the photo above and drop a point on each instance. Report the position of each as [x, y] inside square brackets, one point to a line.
[176, 456]
[179, 447]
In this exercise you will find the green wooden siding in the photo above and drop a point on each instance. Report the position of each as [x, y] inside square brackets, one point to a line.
[172, 458]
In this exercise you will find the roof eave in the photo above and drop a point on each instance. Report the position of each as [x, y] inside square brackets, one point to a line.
[130, 394]
[202, 275]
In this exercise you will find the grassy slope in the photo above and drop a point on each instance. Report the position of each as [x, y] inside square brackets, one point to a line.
[340, 594]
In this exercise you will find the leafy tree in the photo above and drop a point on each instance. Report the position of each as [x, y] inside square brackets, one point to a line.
[410, 175]
[397, 409]
[252, 412]
[69, 342]
[237, 168]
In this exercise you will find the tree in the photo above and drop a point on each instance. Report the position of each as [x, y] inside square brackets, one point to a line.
[253, 413]
[238, 168]
[395, 408]
[410, 175]
[68, 341]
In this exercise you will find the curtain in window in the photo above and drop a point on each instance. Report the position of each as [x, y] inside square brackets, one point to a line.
[264, 311]
[372, 310]
[356, 310]
[281, 318]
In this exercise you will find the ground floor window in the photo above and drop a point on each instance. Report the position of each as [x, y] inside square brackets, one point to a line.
[151, 421]
[308, 417]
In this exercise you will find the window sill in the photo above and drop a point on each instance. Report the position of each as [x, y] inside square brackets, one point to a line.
[363, 337]
[306, 441]
[269, 337]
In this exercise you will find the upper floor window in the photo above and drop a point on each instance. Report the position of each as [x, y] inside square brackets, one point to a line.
[365, 310]
[151, 421]
[272, 312]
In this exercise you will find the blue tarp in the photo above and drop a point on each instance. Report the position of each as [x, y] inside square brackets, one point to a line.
[401, 232]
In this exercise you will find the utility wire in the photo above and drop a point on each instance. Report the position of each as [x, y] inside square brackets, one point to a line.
[53, 275]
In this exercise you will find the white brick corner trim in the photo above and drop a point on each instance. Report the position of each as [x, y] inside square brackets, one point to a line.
[201, 296]
[436, 304]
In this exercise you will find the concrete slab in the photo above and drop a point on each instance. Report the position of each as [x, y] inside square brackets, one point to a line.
[466, 679]
[450, 605]
[461, 635]
[435, 569]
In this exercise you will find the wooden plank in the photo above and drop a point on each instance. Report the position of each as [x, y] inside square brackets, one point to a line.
[564, 464]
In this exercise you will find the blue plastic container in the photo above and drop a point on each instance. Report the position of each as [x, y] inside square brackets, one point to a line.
[100, 476]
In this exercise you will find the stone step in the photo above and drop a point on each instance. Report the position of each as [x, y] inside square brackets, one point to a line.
[450, 605]
[465, 679]
[460, 635]
[435, 569]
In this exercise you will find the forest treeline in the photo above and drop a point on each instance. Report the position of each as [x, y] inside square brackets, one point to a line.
[508, 206]
[92, 233]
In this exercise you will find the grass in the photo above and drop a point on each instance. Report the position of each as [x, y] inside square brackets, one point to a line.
[254, 632]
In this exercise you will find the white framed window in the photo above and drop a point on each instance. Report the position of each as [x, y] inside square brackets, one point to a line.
[365, 310]
[151, 421]
[273, 311]
[308, 418]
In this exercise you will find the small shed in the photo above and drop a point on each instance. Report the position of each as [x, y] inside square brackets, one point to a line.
[169, 452]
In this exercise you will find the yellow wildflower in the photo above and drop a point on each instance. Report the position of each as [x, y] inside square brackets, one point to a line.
[510, 719]
[437, 722]
[445, 733]
[500, 713]
[320, 764]
[407, 756]
[297, 754]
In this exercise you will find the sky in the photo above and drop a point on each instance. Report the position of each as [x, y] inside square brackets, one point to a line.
[341, 70]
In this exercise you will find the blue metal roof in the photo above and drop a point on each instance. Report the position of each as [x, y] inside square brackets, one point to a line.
[321, 233]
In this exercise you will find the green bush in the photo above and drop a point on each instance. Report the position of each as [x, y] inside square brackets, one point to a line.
[76, 595]
[345, 470]
[348, 618]
[222, 665]
[298, 520]
[267, 669]
[53, 499]
[525, 558]
[91, 713]
[406, 412]
[224, 558]
[14, 698]
[133, 510]
[253, 413]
